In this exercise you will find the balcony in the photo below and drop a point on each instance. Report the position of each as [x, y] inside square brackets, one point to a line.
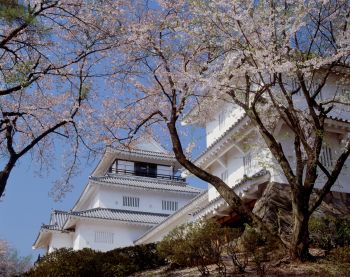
[147, 174]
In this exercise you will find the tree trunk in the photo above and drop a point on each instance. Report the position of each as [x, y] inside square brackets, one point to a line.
[227, 193]
[299, 248]
[4, 175]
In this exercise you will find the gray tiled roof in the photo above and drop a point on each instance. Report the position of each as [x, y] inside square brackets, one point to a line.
[57, 220]
[146, 183]
[121, 215]
[336, 118]
[240, 119]
[194, 202]
[150, 154]
[220, 138]
[260, 173]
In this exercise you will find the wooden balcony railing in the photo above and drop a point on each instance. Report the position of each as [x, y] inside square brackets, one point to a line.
[147, 174]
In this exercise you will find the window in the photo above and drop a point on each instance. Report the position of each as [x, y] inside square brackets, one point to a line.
[224, 176]
[104, 237]
[169, 205]
[124, 165]
[247, 163]
[121, 166]
[326, 157]
[164, 170]
[222, 119]
[145, 169]
[129, 201]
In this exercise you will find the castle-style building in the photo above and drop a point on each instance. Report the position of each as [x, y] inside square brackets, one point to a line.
[236, 152]
[128, 193]
[136, 197]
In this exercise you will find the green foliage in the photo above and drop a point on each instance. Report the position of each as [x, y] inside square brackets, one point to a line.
[258, 246]
[174, 246]
[12, 11]
[19, 74]
[84, 92]
[87, 262]
[203, 243]
[329, 232]
[196, 244]
[66, 262]
[239, 258]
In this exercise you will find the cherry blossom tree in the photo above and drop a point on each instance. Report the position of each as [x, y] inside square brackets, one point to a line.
[158, 84]
[271, 57]
[274, 59]
[10, 263]
[51, 56]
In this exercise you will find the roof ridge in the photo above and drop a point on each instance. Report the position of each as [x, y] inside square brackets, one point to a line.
[137, 183]
[154, 153]
[221, 137]
[260, 173]
[120, 210]
[138, 178]
[60, 211]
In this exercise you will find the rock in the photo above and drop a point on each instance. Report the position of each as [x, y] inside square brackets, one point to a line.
[275, 207]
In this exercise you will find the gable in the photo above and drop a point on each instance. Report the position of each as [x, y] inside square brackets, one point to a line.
[151, 145]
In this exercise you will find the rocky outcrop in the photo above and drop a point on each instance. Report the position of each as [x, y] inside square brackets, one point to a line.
[275, 207]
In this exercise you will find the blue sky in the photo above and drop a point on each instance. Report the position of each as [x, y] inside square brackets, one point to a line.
[27, 205]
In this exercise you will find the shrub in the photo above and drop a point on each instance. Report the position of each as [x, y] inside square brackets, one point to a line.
[119, 262]
[66, 262]
[329, 232]
[340, 255]
[239, 258]
[137, 258]
[196, 244]
[175, 248]
[258, 246]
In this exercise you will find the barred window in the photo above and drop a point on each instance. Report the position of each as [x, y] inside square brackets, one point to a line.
[129, 201]
[326, 158]
[314, 86]
[104, 237]
[169, 205]
[247, 162]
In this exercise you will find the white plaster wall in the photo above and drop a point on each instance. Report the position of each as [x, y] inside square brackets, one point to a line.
[331, 140]
[232, 112]
[232, 161]
[332, 88]
[150, 201]
[286, 138]
[95, 203]
[342, 184]
[123, 235]
[264, 158]
[160, 234]
[60, 240]
[235, 166]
